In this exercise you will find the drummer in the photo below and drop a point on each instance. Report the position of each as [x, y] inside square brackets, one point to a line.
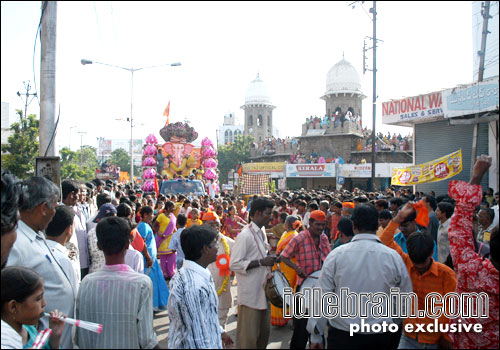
[310, 248]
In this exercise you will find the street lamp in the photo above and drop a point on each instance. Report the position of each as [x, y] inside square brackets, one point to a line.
[131, 70]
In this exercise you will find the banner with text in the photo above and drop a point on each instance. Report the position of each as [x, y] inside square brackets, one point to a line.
[473, 98]
[264, 167]
[310, 170]
[413, 109]
[436, 170]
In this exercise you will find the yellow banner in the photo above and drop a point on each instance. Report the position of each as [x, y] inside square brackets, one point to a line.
[264, 167]
[436, 170]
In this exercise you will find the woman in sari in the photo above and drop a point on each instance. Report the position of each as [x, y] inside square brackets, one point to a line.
[292, 226]
[232, 224]
[160, 289]
[166, 228]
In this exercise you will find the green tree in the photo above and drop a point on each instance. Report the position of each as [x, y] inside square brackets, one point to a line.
[23, 146]
[229, 156]
[79, 165]
[121, 158]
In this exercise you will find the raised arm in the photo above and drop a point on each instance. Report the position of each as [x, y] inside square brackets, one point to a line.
[467, 195]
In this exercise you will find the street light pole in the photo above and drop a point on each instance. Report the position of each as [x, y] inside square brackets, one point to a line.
[131, 70]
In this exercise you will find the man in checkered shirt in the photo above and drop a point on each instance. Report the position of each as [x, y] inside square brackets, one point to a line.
[310, 248]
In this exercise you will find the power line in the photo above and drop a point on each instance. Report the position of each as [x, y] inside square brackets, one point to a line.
[34, 49]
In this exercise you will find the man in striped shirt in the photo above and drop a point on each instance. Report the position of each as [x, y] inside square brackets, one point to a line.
[116, 296]
[193, 301]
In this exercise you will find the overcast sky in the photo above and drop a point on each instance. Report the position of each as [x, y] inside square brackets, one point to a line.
[427, 46]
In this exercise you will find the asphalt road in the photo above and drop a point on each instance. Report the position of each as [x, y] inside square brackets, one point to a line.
[278, 339]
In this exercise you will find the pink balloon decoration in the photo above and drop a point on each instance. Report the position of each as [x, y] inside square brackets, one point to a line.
[149, 161]
[210, 163]
[148, 186]
[149, 173]
[208, 152]
[151, 139]
[207, 142]
[150, 150]
[209, 174]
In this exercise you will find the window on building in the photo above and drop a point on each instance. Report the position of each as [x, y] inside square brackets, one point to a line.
[250, 120]
[259, 120]
[231, 136]
[268, 120]
[226, 137]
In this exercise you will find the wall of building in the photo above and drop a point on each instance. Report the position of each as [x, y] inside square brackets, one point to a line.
[343, 101]
[327, 146]
[266, 128]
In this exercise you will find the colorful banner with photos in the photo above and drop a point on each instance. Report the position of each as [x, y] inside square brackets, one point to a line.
[436, 170]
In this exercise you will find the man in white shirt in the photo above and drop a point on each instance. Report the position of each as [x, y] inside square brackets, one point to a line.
[37, 207]
[444, 212]
[364, 265]
[70, 193]
[58, 232]
[251, 265]
[193, 302]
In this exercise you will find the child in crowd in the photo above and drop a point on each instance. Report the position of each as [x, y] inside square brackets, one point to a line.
[195, 213]
[22, 307]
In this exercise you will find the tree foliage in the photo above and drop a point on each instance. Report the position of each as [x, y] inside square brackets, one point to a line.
[121, 158]
[23, 146]
[79, 165]
[229, 156]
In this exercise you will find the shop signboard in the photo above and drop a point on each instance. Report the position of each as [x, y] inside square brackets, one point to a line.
[264, 167]
[310, 170]
[414, 109]
[473, 98]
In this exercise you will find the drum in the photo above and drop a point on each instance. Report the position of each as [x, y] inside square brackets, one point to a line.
[273, 241]
[310, 282]
[275, 288]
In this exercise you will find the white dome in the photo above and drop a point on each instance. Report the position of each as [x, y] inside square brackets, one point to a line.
[342, 77]
[257, 92]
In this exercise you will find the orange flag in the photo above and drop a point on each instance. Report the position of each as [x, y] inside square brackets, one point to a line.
[166, 112]
[422, 213]
[157, 189]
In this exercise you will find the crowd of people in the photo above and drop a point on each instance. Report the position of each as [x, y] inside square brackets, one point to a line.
[335, 120]
[108, 253]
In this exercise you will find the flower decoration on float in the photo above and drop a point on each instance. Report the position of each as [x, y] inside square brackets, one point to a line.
[178, 130]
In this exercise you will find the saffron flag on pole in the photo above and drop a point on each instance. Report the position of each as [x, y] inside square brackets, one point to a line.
[166, 112]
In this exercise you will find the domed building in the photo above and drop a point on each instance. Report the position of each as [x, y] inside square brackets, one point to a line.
[343, 90]
[258, 111]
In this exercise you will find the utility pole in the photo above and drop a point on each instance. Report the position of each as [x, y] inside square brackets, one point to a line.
[26, 102]
[485, 12]
[81, 145]
[373, 10]
[48, 79]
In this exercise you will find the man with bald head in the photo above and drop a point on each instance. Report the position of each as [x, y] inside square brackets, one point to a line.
[310, 248]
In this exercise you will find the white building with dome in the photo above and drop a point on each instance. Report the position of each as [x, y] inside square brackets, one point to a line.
[258, 116]
[343, 90]
[258, 111]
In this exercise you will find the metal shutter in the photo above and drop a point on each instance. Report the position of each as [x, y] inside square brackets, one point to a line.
[437, 139]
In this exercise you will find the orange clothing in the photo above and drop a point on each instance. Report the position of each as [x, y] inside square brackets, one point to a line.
[190, 222]
[439, 278]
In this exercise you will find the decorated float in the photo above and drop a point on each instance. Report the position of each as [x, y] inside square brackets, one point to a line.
[178, 157]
